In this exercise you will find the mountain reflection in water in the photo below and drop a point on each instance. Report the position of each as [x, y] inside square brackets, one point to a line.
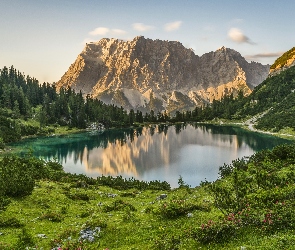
[153, 153]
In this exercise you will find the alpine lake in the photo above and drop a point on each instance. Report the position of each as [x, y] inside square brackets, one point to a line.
[157, 152]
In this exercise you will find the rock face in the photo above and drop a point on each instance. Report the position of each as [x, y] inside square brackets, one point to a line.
[284, 62]
[148, 74]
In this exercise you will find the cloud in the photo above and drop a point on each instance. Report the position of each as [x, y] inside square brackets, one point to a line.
[102, 31]
[141, 27]
[172, 26]
[118, 32]
[99, 31]
[264, 55]
[236, 35]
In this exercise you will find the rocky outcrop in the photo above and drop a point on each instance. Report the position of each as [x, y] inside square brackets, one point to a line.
[150, 74]
[284, 62]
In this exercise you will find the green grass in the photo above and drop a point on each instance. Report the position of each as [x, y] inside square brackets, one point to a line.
[144, 227]
[122, 228]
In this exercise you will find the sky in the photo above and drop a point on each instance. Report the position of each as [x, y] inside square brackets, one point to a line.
[42, 38]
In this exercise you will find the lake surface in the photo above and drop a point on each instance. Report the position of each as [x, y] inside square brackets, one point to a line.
[151, 153]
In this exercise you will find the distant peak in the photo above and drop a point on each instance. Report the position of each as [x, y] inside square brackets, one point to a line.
[221, 48]
[138, 38]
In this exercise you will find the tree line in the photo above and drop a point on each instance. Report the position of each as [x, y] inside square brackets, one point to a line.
[23, 99]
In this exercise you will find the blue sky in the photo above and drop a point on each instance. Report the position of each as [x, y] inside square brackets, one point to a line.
[43, 37]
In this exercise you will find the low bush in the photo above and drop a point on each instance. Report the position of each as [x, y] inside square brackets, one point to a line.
[95, 222]
[10, 222]
[4, 202]
[257, 193]
[118, 205]
[77, 196]
[180, 207]
[25, 240]
[51, 216]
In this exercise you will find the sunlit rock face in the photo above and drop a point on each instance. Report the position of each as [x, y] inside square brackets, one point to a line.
[161, 75]
[287, 60]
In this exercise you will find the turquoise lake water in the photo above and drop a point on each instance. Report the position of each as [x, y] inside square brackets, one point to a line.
[152, 153]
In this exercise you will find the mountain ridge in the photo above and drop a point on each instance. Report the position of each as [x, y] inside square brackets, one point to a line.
[145, 74]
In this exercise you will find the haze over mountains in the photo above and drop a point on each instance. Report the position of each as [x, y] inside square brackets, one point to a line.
[158, 75]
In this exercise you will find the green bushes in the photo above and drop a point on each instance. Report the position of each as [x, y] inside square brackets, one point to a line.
[51, 216]
[258, 193]
[119, 205]
[122, 184]
[10, 222]
[25, 240]
[180, 207]
[18, 175]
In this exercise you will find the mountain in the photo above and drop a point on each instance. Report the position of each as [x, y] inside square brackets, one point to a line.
[284, 62]
[271, 105]
[158, 75]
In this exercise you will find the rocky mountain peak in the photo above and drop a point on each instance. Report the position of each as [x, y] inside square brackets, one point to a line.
[155, 74]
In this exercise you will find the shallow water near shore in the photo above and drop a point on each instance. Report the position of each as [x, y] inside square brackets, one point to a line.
[160, 152]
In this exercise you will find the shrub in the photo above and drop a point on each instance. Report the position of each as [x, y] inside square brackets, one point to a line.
[4, 202]
[168, 242]
[119, 205]
[15, 177]
[95, 222]
[51, 216]
[181, 183]
[10, 222]
[25, 239]
[2, 144]
[218, 232]
[77, 196]
[180, 207]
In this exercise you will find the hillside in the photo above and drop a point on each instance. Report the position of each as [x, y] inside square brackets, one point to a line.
[158, 75]
[275, 96]
[284, 62]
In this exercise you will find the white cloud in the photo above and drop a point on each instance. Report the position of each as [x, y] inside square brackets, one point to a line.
[118, 32]
[236, 35]
[172, 26]
[264, 55]
[99, 31]
[141, 27]
[102, 31]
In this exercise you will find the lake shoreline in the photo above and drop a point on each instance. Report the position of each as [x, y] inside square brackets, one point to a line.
[247, 125]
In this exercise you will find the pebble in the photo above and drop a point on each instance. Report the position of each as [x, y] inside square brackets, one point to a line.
[162, 197]
[89, 235]
[43, 236]
[189, 215]
[112, 195]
